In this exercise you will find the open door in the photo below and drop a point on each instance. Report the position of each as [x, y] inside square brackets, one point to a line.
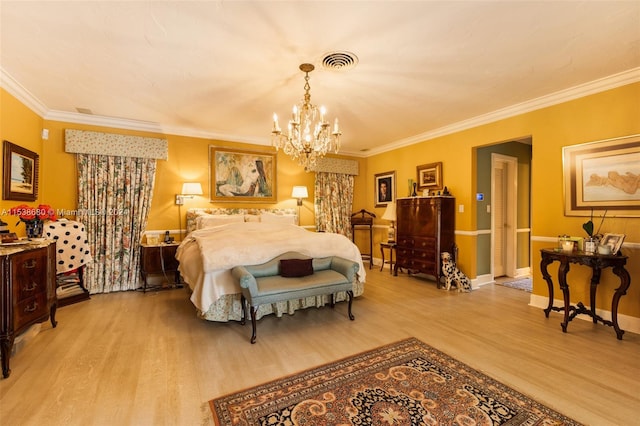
[504, 189]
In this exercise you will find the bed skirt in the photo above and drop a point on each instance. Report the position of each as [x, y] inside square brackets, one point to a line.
[229, 308]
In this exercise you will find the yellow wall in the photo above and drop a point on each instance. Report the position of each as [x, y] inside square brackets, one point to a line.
[601, 116]
[610, 114]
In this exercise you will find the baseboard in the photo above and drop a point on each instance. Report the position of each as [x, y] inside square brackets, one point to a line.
[626, 322]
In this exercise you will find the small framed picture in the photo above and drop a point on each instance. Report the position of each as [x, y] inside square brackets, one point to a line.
[20, 173]
[385, 187]
[614, 241]
[430, 176]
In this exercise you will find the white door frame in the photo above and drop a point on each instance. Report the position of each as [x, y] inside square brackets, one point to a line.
[510, 164]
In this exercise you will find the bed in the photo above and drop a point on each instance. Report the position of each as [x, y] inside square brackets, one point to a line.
[219, 239]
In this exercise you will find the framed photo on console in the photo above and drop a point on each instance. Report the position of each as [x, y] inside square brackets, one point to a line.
[614, 241]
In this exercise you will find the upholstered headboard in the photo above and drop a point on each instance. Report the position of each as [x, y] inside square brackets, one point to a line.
[248, 214]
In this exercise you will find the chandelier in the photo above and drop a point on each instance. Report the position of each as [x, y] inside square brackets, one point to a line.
[309, 135]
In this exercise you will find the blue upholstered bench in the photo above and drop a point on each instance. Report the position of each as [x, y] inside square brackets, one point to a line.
[293, 276]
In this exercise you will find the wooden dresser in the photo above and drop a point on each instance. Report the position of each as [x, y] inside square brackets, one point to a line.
[426, 228]
[28, 292]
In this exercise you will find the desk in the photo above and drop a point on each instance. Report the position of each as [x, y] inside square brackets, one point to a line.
[596, 262]
[391, 247]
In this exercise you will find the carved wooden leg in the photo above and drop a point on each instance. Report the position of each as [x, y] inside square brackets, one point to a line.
[547, 277]
[243, 315]
[52, 314]
[333, 300]
[6, 344]
[595, 279]
[254, 309]
[625, 281]
[350, 294]
[562, 280]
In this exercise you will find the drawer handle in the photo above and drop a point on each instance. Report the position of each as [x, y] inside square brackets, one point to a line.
[32, 308]
[30, 264]
[33, 286]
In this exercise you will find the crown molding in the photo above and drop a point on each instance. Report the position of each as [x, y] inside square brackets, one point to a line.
[596, 86]
[582, 90]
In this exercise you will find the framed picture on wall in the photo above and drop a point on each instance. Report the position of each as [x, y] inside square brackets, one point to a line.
[602, 175]
[20, 173]
[385, 187]
[430, 176]
[238, 175]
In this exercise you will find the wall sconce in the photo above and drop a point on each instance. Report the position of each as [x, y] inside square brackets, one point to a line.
[189, 189]
[299, 192]
[390, 215]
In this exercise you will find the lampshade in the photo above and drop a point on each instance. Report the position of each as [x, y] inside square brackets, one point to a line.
[390, 212]
[299, 192]
[191, 188]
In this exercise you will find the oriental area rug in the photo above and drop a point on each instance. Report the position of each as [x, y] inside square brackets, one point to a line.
[407, 383]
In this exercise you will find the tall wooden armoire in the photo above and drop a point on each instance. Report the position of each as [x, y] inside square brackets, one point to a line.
[426, 228]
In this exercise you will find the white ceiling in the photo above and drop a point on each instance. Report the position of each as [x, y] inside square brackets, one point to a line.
[220, 69]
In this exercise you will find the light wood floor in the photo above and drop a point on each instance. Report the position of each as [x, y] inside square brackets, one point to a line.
[145, 359]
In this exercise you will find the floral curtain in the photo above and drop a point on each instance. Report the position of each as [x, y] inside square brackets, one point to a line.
[333, 202]
[114, 197]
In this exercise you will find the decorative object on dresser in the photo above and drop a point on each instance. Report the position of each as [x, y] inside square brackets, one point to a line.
[158, 259]
[365, 220]
[426, 228]
[28, 289]
[72, 255]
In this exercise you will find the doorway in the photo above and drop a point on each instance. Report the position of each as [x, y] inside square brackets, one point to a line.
[504, 205]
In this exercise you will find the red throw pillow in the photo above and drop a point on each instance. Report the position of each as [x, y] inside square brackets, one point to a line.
[296, 267]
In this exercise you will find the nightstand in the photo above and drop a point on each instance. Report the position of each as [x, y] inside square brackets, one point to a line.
[391, 247]
[159, 259]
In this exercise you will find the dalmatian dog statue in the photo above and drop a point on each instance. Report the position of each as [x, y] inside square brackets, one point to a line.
[453, 274]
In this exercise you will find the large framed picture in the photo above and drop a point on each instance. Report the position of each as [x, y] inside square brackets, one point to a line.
[430, 176]
[602, 175]
[385, 187]
[239, 175]
[20, 173]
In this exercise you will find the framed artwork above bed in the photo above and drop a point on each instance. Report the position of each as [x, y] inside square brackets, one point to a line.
[242, 175]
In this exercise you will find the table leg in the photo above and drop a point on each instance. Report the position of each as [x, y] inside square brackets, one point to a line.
[382, 254]
[562, 280]
[625, 281]
[545, 274]
[390, 259]
[595, 280]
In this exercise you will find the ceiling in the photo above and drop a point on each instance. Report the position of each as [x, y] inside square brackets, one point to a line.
[220, 69]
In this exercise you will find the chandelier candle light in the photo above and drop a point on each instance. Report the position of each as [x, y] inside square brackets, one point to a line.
[309, 135]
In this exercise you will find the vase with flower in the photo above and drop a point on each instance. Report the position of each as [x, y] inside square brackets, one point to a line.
[33, 218]
[592, 241]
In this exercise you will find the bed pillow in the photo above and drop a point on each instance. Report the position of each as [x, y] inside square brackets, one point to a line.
[209, 220]
[251, 218]
[278, 218]
[296, 267]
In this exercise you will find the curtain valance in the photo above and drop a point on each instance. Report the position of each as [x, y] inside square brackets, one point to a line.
[337, 165]
[87, 142]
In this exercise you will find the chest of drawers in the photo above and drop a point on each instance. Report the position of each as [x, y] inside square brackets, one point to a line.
[426, 228]
[28, 293]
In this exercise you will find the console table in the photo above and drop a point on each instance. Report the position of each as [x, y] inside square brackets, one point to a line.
[597, 263]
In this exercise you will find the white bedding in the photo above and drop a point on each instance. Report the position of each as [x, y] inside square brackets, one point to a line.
[207, 255]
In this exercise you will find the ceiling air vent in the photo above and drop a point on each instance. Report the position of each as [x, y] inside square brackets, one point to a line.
[339, 61]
